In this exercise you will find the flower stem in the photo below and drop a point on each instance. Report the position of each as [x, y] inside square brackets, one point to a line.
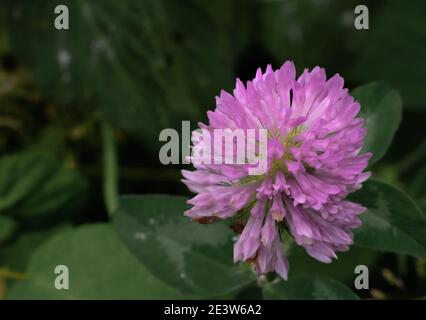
[110, 168]
[10, 274]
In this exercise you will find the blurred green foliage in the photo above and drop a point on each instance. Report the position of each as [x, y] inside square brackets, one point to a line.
[144, 65]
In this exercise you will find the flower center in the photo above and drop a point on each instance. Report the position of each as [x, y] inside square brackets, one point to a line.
[279, 164]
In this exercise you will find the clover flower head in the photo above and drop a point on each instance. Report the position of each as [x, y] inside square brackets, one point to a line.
[313, 161]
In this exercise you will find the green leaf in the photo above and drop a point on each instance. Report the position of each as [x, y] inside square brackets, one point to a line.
[35, 188]
[381, 107]
[194, 258]
[15, 255]
[393, 221]
[422, 204]
[7, 227]
[308, 288]
[395, 50]
[100, 267]
[342, 269]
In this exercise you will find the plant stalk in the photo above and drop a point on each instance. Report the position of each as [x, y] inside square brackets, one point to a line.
[110, 168]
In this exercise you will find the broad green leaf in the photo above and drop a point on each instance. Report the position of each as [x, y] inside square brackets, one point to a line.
[191, 257]
[308, 288]
[393, 222]
[422, 204]
[100, 267]
[251, 292]
[395, 48]
[35, 188]
[341, 269]
[7, 227]
[381, 107]
[15, 255]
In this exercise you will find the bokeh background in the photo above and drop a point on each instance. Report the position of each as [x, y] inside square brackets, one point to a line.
[101, 92]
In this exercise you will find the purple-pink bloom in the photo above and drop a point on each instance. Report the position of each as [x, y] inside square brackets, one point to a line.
[313, 161]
